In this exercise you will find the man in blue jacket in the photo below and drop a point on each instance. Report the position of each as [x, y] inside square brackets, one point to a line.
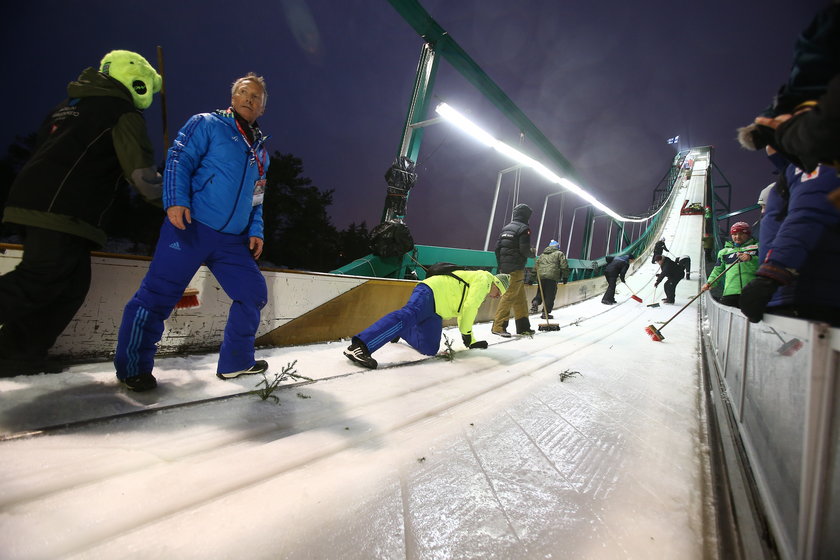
[213, 188]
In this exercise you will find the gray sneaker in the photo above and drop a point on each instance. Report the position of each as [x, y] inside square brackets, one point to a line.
[260, 366]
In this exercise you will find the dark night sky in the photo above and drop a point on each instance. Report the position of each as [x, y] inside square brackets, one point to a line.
[607, 82]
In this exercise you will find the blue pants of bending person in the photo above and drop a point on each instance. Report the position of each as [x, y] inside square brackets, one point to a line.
[178, 255]
[416, 322]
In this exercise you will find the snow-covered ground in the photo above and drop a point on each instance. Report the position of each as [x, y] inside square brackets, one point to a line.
[582, 443]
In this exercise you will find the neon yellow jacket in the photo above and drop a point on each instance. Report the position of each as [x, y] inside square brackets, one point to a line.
[449, 291]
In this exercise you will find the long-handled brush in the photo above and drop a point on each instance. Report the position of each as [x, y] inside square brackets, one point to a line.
[634, 296]
[656, 334]
[548, 325]
[655, 303]
[788, 347]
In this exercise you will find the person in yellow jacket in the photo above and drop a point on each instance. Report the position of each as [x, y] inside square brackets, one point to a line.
[458, 294]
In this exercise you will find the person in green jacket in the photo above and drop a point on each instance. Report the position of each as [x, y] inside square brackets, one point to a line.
[552, 267]
[743, 249]
[458, 294]
[61, 196]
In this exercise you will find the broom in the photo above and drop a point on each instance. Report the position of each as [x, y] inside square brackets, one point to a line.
[655, 303]
[634, 296]
[189, 299]
[548, 326]
[656, 334]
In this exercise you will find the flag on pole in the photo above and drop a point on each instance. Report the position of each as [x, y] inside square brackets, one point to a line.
[674, 140]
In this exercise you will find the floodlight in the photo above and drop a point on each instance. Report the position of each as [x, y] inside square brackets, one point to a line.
[462, 122]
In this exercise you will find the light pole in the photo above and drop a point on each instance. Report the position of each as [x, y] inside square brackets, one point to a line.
[572, 227]
[592, 226]
[542, 219]
[495, 201]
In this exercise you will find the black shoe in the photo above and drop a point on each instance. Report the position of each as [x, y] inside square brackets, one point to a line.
[503, 334]
[608, 302]
[358, 353]
[523, 326]
[140, 383]
[260, 366]
[666, 300]
[534, 309]
[395, 340]
[550, 316]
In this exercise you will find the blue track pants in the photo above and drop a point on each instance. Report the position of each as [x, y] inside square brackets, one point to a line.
[416, 322]
[178, 255]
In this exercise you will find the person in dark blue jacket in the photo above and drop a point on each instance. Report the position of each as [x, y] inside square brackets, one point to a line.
[213, 188]
[616, 269]
[799, 250]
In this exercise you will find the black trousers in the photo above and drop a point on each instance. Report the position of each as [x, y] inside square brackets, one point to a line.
[549, 288]
[609, 295]
[671, 286]
[39, 298]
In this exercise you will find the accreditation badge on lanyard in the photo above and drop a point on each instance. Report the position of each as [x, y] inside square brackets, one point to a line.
[258, 156]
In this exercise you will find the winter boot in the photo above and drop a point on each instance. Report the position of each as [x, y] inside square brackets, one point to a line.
[523, 326]
[358, 352]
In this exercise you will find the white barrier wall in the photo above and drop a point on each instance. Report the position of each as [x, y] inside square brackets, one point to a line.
[779, 380]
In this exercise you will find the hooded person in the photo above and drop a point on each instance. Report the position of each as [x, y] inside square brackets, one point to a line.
[743, 250]
[454, 295]
[61, 197]
[615, 270]
[552, 267]
[513, 249]
[658, 248]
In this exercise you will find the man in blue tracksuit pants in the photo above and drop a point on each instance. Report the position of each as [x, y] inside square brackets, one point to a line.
[214, 183]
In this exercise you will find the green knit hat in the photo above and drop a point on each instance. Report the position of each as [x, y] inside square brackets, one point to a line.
[502, 281]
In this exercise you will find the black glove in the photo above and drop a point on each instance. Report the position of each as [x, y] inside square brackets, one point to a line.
[755, 295]
[655, 284]
[479, 345]
[467, 338]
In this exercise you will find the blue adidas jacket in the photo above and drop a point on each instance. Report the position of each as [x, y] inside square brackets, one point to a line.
[211, 170]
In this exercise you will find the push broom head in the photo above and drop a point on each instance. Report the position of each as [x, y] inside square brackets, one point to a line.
[189, 299]
[654, 333]
[549, 327]
[790, 347]
[637, 298]
[654, 304]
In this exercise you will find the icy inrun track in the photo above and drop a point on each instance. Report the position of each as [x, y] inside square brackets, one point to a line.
[582, 443]
[588, 442]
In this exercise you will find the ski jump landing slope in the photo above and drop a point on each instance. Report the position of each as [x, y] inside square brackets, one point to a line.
[588, 442]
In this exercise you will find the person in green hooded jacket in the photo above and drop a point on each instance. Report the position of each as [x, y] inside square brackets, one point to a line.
[458, 294]
[742, 249]
[60, 197]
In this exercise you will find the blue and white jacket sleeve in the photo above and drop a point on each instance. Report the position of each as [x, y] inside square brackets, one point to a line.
[182, 160]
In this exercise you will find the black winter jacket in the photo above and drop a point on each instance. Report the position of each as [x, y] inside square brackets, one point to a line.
[670, 270]
[86, 145]
[514, 245]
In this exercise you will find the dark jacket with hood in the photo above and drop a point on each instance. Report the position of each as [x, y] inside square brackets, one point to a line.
[514, 245]
[85, 146]
[618, 267]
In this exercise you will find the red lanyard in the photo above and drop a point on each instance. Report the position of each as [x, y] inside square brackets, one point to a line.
[260, 162]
